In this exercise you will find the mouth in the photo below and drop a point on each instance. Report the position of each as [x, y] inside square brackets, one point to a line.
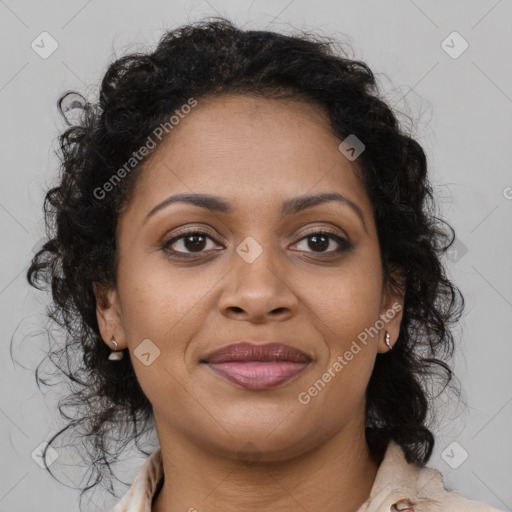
[257, 366]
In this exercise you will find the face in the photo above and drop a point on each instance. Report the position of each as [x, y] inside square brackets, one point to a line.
[251, 272]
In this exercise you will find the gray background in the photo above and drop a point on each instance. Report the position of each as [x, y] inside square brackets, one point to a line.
[463, 108]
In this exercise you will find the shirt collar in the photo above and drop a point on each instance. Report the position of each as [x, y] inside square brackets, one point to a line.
[403, 485]
[397, 484]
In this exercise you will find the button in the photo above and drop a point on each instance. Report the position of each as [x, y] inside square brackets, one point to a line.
[403, 505]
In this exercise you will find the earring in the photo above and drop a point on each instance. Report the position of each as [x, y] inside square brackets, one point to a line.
[387, 340]
[115, 355]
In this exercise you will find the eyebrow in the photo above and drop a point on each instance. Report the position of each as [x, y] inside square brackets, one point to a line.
[289, 207]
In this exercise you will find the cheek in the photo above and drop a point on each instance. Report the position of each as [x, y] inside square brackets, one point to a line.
[356, 320]
[347, 308]
[347, 305]
[343, 374]
[157, 299]
[159, 317]
[167, 307]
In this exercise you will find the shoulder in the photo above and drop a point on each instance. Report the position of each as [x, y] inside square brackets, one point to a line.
[404, 486]
[432, 495]
[140, 495]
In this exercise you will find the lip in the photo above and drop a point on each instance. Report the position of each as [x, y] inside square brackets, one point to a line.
[257, 366]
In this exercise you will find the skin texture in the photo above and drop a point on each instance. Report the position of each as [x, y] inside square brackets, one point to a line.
[255, 153]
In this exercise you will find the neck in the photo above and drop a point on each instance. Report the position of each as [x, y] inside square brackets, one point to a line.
[335, 476]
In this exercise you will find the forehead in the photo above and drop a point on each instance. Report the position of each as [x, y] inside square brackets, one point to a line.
[244, 147]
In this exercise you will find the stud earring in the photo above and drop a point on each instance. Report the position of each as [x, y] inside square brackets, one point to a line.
[387, 340]
[115, 355]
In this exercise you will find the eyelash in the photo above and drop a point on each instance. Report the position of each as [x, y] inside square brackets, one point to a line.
[344, 245]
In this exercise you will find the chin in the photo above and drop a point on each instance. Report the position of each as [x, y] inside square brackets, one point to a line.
[263, 441]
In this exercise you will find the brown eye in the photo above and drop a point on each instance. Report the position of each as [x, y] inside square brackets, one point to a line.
[320, 241]
[187, 243]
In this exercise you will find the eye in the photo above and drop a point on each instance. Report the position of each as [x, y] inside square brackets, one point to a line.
[321, 240]
[194, 241]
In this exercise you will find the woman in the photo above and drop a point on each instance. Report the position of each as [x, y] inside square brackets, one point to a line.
[243, 225]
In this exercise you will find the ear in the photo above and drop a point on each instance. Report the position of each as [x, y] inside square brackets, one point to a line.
[108, 313]
[392, 307]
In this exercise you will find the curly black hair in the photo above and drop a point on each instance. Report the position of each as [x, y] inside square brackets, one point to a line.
[141, 91]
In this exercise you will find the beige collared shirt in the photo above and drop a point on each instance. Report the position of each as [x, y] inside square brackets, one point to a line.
[398, 485]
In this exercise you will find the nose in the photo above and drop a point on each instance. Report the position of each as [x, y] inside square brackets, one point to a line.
[258, 292]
